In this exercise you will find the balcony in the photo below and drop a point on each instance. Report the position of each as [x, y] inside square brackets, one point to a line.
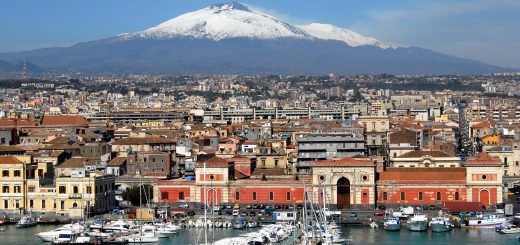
[75, 196]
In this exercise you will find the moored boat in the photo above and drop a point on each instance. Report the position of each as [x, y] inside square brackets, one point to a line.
[441, 224]
[419, 222]
[26, 221]
[392, 224]
[489, 221]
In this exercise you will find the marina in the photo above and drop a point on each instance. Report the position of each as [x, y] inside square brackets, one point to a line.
[355, 234]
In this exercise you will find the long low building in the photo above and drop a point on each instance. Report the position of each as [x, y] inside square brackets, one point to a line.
[348, 183]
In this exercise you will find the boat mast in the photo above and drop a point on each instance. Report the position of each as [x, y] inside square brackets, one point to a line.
[205, 207]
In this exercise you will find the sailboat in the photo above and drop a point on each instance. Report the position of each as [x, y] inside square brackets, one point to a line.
[26, 221]
[146, 233]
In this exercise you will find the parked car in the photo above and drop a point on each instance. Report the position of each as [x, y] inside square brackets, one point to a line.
[236, 212]
[252, 213]
[379, 213]
[248, 207]
[269, 208]
[229, 212]
[184, 205]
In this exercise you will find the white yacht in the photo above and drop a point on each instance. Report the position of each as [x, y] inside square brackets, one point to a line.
[26, 221]
[489, 221]
[49, 236]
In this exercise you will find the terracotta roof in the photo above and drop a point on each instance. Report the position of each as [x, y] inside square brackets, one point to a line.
[214, 162]
[403, 136]
[59, 140]
[118, 161]
[423, 176]
[60, 147]
[10, 160]
[64, 120]
[482, 125]
[483, 159]
[347, 161]
[421, 153]
[10, 148]
[268, 172]
[144, 140]
[17, 122]
[78, 162]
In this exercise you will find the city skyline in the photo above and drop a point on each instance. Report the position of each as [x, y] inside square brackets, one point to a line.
[468, 29]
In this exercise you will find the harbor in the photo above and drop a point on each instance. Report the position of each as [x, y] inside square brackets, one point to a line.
[357, 235]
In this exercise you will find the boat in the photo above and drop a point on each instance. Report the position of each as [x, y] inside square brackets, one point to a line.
[489, 221]
[418, 222]
[392, 224]
[147, 235]
[26, 221]
[239, 223]
[441, 224]
[508, 229]
[49, 236]
[374, 225]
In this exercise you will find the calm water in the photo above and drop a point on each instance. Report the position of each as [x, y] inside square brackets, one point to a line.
[359, 235]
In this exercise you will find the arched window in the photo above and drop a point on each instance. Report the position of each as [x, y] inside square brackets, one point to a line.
[385, 196]
[438, 196]
[457, 196]
[420, 196]
[403, 196]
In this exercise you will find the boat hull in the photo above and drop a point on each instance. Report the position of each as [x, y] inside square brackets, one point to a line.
[392, 227]
[441, 228]
[418, 226]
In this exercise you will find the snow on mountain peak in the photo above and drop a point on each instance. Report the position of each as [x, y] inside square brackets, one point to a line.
[331, 32]
[235, 20]
[220, 21]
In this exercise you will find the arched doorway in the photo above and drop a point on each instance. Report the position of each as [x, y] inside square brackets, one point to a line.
[484, 197]
[343, 193]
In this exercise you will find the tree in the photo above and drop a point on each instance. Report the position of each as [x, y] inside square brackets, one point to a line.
[132, 194]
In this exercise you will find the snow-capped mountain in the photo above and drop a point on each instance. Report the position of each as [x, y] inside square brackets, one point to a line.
[220, 21]
[330, 32]
[235, 20]
[233, 38]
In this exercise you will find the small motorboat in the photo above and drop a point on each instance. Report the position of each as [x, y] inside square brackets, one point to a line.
[26, 221]
[392, 224]
[419, 222]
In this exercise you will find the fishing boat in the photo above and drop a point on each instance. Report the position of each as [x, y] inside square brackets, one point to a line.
[147, 235]
[441, 224]
[418, 222]
[26, 221]
[392, 224]
[489, 221]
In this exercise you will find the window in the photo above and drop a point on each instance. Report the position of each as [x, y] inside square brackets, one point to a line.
[75, 189]
[403, 196]
[164, 195]
[17, 203]
[385, 196]
[43, 204]
[181, 195]
[5, 173]
[5, 189]
[288, 196]
[31, 189]
[17, 173]
[438, 196]
[62, 189]
[484, 177]
[290, 215]
[62, 204]
[89, 190]
[2, 141]
[276, 162]
[6, 204]
[420, 196]
[254, 196]
[17, 189]
[40, 173]
[31, 203]
[365, 178]
[271, 196]
[237, 195]
[457, 196]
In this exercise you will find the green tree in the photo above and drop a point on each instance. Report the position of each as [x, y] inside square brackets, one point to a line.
[132, 194]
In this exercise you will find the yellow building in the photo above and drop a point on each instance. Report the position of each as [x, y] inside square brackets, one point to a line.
[13, 174]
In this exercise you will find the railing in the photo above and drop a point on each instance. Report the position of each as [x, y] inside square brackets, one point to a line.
[75, 196]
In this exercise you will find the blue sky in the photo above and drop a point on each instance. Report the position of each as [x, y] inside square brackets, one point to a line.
[486, 30]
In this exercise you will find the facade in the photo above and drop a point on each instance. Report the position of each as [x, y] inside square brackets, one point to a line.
[325, 146]
[425, 159]
[376, 134]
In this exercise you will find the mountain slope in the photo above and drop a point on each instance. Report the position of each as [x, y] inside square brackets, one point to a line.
[231, 38]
